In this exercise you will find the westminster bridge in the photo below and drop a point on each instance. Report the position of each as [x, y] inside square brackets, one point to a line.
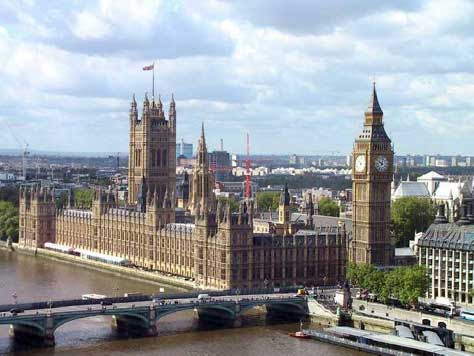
[138, 315]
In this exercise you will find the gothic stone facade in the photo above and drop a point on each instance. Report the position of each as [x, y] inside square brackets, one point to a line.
[372, 173]
[218, 250]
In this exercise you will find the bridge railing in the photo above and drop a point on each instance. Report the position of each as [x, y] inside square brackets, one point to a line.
[144, 297]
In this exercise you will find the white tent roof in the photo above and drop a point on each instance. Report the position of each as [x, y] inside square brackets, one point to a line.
[431, 176]
[411, 189]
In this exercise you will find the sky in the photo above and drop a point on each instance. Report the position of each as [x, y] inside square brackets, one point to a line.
[296, 75]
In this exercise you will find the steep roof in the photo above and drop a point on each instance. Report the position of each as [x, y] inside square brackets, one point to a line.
[451, 190]
[411, 189]
[374, 106]
[431, 176]
[451, 235]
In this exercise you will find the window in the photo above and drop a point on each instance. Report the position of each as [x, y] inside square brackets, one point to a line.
[158, 158]
[164, 158]
[153, 158]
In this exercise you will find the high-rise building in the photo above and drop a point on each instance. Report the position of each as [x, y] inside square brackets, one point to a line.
[184, 149]
[152, 158]
[220, 164]
[372, 174]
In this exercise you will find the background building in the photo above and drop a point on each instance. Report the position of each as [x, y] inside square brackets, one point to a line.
[220, 164]
[184, 150]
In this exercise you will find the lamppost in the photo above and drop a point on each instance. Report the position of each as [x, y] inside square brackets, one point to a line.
[15, 297]
[116, 289]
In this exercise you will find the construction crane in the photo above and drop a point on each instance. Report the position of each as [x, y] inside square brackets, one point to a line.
[23, 146]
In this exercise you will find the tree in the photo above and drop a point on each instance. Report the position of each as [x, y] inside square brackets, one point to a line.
[268, 201]
[415, 283]
[405, 284]
[83, 198]
[328, 207]
[8, 221]
[234, 204]
[409, 215]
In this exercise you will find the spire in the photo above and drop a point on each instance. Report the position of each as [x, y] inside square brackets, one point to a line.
[203, 138]
[134, 102]
[374, 106]
[285, 196]
[172, 111]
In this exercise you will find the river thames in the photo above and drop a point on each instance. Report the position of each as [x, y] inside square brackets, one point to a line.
[31, 278]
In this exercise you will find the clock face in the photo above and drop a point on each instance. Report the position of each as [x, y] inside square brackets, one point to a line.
[381, 163]
[360, 163]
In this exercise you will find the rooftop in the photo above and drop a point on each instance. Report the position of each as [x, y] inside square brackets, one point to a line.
[431, 176]
[411, 189]
[450, 236]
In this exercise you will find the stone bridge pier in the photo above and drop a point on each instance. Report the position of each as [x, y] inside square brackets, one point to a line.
[140, 324]
[40, 331]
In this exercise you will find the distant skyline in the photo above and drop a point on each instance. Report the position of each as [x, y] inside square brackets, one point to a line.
[296, 76]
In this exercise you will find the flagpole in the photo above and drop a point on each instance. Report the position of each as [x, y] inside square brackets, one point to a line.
[153, 89]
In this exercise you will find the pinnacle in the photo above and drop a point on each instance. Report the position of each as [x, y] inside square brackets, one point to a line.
[374, 106]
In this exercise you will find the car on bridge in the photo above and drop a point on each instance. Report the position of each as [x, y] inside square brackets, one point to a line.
[16, 311]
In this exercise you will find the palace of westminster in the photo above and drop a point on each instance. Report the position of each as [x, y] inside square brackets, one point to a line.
[211, 244]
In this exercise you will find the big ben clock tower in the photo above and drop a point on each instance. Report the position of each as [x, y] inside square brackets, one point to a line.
[372, 172]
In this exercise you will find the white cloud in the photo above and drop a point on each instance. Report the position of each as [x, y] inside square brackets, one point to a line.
[296, 77]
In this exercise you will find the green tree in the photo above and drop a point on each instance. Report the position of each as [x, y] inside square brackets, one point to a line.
[410, 215]
[328, 207]
[62, 200]
[268, 201]
[234, 204]
[361, 275]
[415, 283]
[8, 221]
[405, 284]
[83, 198]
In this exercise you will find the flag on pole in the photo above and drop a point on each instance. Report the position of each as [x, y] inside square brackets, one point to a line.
[150, 67]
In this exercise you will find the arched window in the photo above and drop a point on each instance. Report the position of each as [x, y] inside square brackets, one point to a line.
[153, 153]
[164, 158]
[158, 158]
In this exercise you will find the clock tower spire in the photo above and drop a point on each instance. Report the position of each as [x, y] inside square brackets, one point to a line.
[372, 174]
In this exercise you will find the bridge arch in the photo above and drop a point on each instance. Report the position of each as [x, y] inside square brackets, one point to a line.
[295, 307]
[227, 310]
[35, 325]
[66, 320]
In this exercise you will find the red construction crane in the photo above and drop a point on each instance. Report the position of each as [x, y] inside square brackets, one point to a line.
[248, 191]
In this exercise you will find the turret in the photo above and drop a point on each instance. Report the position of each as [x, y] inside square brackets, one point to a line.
[37, 217]
[172, 112]
[284, 206]
[161, 114]
[310, 212]
[146, 111]
[133, 111]
[142, 195]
